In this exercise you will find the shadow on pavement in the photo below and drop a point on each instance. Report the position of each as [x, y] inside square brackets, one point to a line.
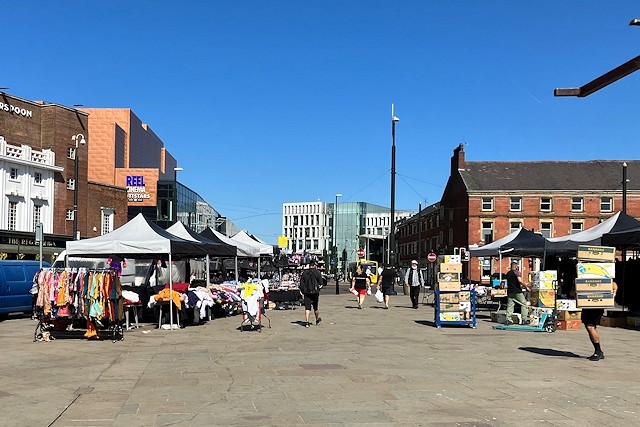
[549, 352]
[426, 323]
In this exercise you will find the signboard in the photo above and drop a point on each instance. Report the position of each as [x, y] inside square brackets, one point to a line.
[360, 253]
[136, 190]
[432, 257]
[283, 241]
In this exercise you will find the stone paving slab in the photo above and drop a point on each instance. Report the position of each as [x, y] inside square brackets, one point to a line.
[358, 367]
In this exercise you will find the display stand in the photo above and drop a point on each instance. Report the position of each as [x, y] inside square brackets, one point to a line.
[453, 305]
[454, 315]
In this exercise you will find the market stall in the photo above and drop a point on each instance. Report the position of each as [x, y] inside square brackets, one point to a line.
[138, 238]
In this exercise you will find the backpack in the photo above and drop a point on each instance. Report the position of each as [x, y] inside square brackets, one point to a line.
[309, 283]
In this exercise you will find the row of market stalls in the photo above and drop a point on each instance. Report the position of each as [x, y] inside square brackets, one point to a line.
[620, 230]
[141, 239]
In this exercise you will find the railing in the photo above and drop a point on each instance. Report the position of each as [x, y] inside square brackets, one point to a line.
[24, 152]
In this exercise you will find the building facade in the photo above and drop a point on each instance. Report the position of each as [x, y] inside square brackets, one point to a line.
[484, 201]
[39, 158]
[338, 230]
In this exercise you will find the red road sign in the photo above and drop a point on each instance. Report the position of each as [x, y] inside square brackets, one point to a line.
[432, 257]
[360, 253]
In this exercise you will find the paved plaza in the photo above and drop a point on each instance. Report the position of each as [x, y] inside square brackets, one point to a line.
[369, 367]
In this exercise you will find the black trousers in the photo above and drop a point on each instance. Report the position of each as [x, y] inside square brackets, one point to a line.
[414, 293]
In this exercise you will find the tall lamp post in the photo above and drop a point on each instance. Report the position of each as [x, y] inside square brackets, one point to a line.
[335, 242]
[79, 140]
[392, 243]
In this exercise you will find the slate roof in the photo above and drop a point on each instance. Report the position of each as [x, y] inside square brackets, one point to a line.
[593, 175]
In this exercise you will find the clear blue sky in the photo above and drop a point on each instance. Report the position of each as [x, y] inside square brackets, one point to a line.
[265, 102]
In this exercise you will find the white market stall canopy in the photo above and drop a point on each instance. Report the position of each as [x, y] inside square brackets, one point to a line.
[214, 248]
[243, 250]
[137, 238]
[243, 237]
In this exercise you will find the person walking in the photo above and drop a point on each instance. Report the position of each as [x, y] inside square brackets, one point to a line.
[413, 278]
[361, 284]
[515, 294]
[310, 283]
[386, 282]
[591, 319]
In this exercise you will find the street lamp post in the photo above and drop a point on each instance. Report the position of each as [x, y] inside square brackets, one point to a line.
[335, 242]
[79, 140]
[392, 243]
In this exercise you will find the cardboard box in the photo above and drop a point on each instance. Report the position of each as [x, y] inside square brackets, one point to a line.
[449, 286]
[614, 322]
[569, 325]
[544, 284]
[595, 300]
[596, 253]
[450, 317]
[465, 306]
[449, 259]
[569, 314]
[594, 285]
[633, 322]
[451, 297]
[502, 317]
[448, 277]
[450, 268]
[498, 292]
[464, 296]
[596, 270]
[546, 275]
[566, 304]
[449, 306]
[543, 298]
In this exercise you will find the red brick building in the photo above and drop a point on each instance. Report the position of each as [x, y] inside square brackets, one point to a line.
[484, 201]
[33, 131]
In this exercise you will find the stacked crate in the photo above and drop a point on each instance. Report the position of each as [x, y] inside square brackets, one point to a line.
[595, 273]
[543, 294]
[455, 305]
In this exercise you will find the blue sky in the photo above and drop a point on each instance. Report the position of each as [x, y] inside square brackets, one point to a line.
[266, 102]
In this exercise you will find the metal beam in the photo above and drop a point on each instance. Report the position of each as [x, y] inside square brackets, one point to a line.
[603, 81]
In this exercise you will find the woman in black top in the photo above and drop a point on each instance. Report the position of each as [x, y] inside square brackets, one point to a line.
[385, 283]
[360, 283]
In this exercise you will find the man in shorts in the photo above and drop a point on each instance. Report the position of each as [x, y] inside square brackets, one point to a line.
[591, 319]
[310, 284]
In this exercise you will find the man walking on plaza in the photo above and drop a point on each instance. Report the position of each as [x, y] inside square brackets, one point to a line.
[413, 278]
[515, 294]
[310, 283]
[591, 319]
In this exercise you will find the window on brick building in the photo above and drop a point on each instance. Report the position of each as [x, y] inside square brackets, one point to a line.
[576, 227]
[69, 215]
[606, 204]
[546, 228]
[486, 233]
[107, 220]
[71, 184]
[515, 225]
[577, 204]
[546, 204]
[71, 152]
[515, 204]
[487, 203]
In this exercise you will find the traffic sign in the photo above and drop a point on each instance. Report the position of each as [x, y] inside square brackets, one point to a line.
[360, 253]
[432, 257]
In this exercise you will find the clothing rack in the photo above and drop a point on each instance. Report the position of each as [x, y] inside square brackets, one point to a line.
[79, 293]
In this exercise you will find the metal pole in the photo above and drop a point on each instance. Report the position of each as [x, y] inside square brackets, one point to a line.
[419, 232]
[624, 187]
[392, 243]
[335, 242]
[75, 193]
